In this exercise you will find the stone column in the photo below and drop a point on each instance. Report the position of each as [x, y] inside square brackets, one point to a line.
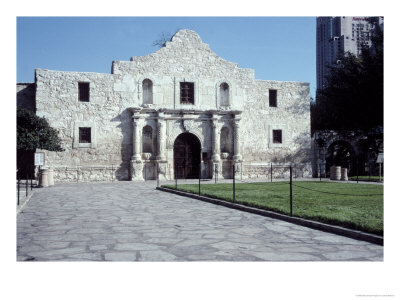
[136, 160]
[136, 139]
[216, 156]
[161, 147]
[161, 136]
[236, 140]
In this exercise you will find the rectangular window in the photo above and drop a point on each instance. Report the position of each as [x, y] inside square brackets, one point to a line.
[85, 135]
[187, 92]
[272, 98]
[83, 91]
[277, 136]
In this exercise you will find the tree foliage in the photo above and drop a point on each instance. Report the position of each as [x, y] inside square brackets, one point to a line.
[353, 96]
[34, 132]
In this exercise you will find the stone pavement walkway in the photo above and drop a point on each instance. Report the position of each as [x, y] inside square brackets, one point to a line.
[126, 221]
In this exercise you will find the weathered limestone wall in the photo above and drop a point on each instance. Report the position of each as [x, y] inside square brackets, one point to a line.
[185, 58]
[292, 116]
[116, 98]
[57, 100]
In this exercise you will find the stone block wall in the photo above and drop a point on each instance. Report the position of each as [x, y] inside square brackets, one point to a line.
[114, 97]
[106, 113]
[292, 116]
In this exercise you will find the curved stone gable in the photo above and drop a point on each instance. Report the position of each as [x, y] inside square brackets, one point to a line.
[186, 54]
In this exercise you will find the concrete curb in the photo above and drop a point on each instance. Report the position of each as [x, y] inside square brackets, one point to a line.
[354, 234]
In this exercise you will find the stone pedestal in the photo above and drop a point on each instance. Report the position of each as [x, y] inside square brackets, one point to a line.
[162, 170]
[44, 178]
[335, 173]
[50, 177]
[137, 170]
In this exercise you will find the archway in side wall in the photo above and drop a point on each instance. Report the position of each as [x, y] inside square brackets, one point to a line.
[341, 153]
[187, 151]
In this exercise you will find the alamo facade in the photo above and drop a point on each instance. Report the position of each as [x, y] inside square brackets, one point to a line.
[180, 112]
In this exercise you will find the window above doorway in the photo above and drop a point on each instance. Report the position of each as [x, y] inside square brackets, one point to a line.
[187, 92]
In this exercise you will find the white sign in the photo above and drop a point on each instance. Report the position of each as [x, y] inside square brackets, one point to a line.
[379, 160]
[39, 159]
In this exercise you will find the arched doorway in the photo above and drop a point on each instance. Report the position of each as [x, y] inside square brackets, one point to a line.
[187, 150]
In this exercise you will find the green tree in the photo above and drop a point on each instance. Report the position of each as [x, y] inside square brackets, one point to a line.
[353, 96]
[34, 132]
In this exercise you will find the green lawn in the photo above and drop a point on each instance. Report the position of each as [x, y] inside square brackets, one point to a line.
[351, 205]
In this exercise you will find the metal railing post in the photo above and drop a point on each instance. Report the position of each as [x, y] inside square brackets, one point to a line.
[271, 172]
[199, 177]
[215, 173]
[31, 174]
[176, 178]
[26, 184]
[18, 182]
[357, 168]
[234, 188]
[158, 175]
[291, 195]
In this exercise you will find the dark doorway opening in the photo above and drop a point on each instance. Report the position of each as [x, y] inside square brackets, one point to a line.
[187, 151]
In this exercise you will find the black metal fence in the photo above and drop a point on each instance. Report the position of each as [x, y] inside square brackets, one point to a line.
[25, 184]
[285, 181]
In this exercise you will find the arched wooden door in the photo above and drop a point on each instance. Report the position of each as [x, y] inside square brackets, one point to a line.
[187, 149]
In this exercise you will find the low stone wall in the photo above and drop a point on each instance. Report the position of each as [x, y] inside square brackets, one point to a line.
[263, 171]
[90, 174]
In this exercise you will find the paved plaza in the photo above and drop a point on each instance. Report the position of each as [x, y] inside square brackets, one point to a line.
[127, 221]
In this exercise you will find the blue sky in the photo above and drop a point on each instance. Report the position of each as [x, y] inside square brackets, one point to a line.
[277, 48]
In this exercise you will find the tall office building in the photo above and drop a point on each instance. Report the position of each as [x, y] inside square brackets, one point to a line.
[337, 35]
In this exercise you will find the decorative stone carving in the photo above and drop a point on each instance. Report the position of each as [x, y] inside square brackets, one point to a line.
[146, 155]
[188, 125]
[224, 155]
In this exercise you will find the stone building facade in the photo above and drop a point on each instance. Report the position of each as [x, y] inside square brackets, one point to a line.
[181, 111]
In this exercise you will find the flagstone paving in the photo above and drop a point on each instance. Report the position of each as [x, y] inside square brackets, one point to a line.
[127, 221]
